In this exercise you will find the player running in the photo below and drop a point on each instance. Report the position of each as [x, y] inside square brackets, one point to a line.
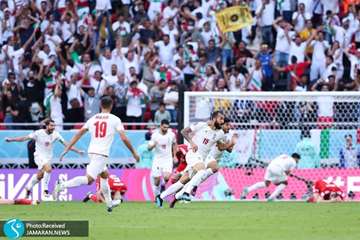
[326, 192]
[201, 137]
[117, 188]
[214, 156]
[163, 143]
[276, 173]
[102, 127]
[44, 143]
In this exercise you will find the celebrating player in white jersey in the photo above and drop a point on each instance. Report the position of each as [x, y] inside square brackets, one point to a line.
[102, 127]
[44, 142]
[276, 173]
[211, 161]
[163, 142]
[201, 137]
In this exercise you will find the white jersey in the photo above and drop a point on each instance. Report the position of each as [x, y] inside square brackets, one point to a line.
[164, 143]
[284, 162]
[215, 153]
[205, 137]
[44, 143]
[102, 128]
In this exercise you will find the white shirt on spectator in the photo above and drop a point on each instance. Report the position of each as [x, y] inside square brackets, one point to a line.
[106, 64]
[354, 65]
[282, 43]
[103, 5]
[123, 28]
[206, 36]
[300, 20]
[128, 64]
[308, 6]
[74, 91]
[110, 79]
[133, 107]
[56, 111]
[268, 15]
[232, 83]
[166, 52]
[15, 55]
[332, 5]
[169, 12]
[99, 86]
[154, 8]
[173, 33]
[319, 50]
[67, 29]
[297, 51]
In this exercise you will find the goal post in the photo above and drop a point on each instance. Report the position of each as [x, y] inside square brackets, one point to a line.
[324, 127]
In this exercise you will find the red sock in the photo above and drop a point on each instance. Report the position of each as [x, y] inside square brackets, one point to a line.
[93, 198]
[23, 201]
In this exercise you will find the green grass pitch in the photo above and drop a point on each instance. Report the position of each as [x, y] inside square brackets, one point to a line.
[203, 220]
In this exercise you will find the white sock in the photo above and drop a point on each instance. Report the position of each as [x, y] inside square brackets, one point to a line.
[277, 191]
[115, 202]
[34, 180]
[207, 174]
[105, 188]
[156, 189]
[172, 189]
[75, 182]
[256, 186]
[195, 181]
[46, 180]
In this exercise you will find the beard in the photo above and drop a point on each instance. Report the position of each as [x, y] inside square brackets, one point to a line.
[217, 125]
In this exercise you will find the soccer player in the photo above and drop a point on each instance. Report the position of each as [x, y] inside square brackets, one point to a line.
[102, 127]
[201, 137]
[44, 142]
[20, 201]
[326, 192]
[163, 143]
[215, 154]
[117, 188]
[276, 173]
[180, 158]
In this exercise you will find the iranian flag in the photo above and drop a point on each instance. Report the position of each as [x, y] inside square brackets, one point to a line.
[321, 139]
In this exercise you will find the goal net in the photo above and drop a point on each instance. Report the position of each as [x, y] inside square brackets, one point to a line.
[323, 127]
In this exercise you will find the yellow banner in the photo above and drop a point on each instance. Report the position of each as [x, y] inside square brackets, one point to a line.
[234, 18]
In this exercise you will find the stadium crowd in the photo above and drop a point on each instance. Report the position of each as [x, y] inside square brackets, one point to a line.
[57, 58]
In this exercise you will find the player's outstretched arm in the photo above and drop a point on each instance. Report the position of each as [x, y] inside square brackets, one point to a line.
[128, 144]
[18, 139]
[186, 132]
[74, 149]
[74, 140]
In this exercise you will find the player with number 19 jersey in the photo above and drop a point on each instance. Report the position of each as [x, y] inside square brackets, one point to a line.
[102, 127]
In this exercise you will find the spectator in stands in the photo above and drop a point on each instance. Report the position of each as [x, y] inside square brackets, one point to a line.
[134, 99]
[171, 98]
[349, 155]
[162, 114]
[306, 148]
[54, 107]
[146, 155]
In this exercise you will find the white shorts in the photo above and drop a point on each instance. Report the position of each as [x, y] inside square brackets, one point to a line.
[161, 166]
[193, 158]
[210, 158]
[41, 161]
[275, 174]
[97, 165]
